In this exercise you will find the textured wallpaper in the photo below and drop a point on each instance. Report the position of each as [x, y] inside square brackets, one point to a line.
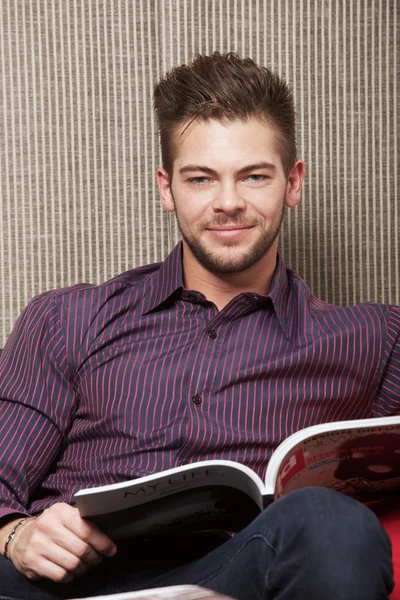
[78, 143]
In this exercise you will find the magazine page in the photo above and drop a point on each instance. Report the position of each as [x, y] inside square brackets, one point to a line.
[128, 494]
[176, 592]
[211, 508]
[355, 457]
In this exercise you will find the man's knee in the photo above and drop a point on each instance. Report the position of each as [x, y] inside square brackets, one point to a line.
[320, 519]
[329, 540]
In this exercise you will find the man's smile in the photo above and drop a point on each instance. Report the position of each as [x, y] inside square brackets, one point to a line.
[229, 231]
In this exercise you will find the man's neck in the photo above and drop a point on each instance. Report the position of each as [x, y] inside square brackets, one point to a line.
[222, 288]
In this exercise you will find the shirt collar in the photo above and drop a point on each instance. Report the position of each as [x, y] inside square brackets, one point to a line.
[168, 279]
[165, 281]
[279, 295]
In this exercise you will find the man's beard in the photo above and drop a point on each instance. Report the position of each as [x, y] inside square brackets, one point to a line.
[231, 264]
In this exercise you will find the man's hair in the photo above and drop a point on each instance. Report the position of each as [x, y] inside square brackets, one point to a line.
[224, 87]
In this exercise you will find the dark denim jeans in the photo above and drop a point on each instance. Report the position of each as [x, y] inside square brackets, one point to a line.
[312, 544]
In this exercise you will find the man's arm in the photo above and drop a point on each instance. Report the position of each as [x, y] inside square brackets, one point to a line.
[29, 443]
[37, 404]
[387, 400]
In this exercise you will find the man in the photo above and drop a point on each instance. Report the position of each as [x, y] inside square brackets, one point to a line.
[218, 352]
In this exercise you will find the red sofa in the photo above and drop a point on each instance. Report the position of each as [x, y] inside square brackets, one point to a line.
[388, 512]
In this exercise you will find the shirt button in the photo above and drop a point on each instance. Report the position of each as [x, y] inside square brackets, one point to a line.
[212, 334]
[196, 399]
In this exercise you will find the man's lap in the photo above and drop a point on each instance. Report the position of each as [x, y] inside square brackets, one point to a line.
[245, 559]
[126, 572]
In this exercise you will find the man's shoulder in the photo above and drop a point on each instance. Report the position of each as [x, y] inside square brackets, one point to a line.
[83, 302]
[368, 311]
[128, 281]
[77, 315]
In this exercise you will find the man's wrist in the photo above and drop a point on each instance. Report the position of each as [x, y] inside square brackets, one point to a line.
[7, 524]
[17, 527]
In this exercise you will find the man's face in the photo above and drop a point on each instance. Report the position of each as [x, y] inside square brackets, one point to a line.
[229, 191]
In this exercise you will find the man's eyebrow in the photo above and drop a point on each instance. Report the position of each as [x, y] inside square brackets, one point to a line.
[191, 168]
[246, 169]
[256, 167]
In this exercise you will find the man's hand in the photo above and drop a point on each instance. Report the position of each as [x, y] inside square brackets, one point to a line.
[59, 545]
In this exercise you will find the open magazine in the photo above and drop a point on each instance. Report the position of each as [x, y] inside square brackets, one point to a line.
[360, 458]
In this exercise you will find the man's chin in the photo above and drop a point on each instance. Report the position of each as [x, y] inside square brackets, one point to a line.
[222, 264]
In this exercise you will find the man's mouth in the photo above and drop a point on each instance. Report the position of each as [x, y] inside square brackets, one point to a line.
[229, 231]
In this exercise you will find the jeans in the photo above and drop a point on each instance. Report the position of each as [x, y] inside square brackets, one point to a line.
[312, 544]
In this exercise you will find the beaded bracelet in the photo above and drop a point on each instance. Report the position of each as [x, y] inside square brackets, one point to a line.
[12, 536]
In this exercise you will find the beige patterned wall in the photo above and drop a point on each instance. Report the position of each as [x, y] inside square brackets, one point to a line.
[78, 146]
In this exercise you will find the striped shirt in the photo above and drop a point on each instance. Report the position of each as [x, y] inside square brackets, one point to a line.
[104, 383]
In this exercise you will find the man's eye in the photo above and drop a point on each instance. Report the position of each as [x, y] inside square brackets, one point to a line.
[199, 180]
[256, 178]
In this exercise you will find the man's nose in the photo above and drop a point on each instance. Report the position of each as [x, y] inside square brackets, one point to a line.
[228, 199]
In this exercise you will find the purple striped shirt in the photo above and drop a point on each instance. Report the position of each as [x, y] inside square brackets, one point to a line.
[100, 384]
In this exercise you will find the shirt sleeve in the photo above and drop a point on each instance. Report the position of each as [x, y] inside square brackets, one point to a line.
[387, 400]
[37, 401]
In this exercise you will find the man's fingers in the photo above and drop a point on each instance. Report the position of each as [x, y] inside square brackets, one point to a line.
[56, 562]
[101, 542]
[49, 570]
[66, 540]
[71, 553]
[85, 551]
[68, 561]
[89, 533]
[87, 539]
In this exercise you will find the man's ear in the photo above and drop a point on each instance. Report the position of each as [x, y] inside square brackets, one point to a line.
[294, 183]
[164, 188]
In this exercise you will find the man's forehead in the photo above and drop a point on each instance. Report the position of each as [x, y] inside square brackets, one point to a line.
[239, 143]
[246, 168]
